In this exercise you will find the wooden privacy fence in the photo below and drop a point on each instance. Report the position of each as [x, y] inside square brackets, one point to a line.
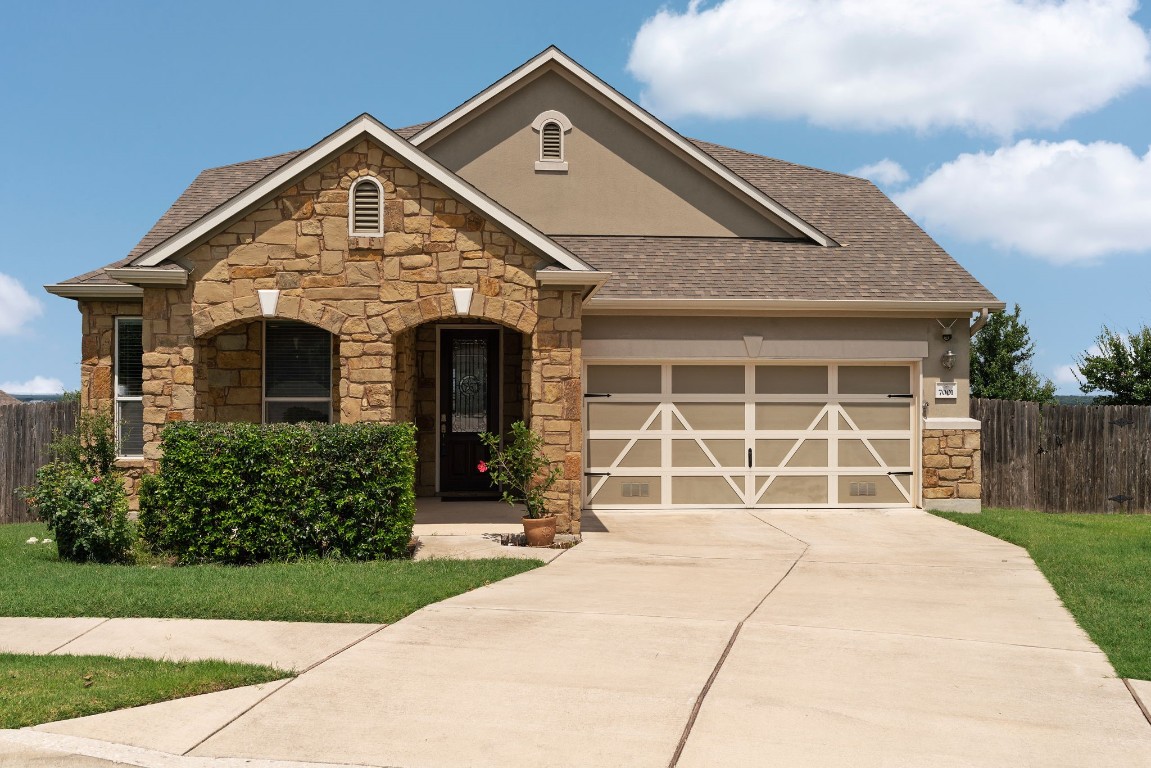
[25, 432]
[1065, 458]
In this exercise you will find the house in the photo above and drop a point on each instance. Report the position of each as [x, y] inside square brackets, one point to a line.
[7, 399]
[686, 324]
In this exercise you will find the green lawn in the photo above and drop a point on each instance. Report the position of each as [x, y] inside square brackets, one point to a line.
[1101, 567]
[34, 583]
[41, 689]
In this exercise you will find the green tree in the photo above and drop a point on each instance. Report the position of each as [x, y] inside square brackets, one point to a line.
[1000, 362]
[1121, 370]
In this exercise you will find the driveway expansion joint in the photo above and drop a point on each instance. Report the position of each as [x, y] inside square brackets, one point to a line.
[727, 650]
[1138, 701]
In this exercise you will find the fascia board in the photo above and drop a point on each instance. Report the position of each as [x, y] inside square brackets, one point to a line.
[148, 276]
[555, 277]
[94, 291]
[306, 161]
[554, 55]
[755, 306]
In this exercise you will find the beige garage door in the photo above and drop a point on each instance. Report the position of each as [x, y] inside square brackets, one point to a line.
[689, 435]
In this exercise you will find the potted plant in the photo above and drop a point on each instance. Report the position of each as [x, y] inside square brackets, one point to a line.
[523, 475]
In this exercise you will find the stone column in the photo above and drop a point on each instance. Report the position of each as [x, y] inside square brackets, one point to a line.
[555, 402]
[952, 478]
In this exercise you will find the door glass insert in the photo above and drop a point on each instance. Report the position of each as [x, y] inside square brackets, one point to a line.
[469, 385]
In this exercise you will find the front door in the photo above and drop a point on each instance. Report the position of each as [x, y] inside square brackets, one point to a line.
[469, 405]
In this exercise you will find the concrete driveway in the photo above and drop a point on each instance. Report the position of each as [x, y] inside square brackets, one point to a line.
[729, 639]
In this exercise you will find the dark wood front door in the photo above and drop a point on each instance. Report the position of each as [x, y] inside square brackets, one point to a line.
[469, 405]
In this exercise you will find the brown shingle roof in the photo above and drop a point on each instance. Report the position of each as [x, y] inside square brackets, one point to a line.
[884, 254]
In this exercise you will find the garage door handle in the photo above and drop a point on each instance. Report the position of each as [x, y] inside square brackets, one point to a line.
[596, 394]
[908, 474]
[749, 458]
[597, 474]
[908, 397]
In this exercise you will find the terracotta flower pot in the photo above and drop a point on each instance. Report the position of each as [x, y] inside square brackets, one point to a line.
[540, 532]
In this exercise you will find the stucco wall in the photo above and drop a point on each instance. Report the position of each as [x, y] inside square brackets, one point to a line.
[619, 181]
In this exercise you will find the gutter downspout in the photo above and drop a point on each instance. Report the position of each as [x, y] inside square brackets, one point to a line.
[980, 321]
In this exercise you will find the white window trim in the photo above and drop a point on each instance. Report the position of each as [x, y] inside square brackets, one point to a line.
[264, 399]
[560, 119]
[117, 397]
[379, 231]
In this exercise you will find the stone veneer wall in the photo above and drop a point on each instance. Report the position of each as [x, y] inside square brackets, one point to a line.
[97, 346]
[951, 468]
[370, 293]
[229, 375]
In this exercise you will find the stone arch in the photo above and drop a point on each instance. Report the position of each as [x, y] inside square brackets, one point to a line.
[219, 316]
[509, 313]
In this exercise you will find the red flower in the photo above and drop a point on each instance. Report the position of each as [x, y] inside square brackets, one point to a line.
[95, 479]
[482, 466]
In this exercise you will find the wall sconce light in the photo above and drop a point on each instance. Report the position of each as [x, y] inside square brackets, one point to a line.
[463, 300]
[947, 359]
[269, 298]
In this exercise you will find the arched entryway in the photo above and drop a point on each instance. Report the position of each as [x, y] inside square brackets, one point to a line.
[456, 378]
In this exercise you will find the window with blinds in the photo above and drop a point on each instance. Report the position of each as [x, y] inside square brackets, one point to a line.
[366, 211]
[129, 377]
[297, 373]
[551, 141]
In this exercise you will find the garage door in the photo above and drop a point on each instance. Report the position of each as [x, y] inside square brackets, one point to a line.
[690, 435]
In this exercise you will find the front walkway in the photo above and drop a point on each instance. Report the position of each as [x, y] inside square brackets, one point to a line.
[799, 639]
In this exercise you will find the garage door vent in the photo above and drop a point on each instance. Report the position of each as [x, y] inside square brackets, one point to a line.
[635, 490]
[862, 489]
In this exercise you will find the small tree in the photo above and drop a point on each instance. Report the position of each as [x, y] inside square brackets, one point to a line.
[1000, 362]
[520, 469]
[1121, 370]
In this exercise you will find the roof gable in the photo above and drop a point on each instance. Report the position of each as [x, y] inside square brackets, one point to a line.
[278, 175]
[554, 60]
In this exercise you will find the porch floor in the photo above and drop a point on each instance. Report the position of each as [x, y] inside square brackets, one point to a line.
[456, 529]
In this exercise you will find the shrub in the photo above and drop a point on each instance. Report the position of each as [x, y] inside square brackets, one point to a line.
[520, 468]
[247, 493]
[81, 497]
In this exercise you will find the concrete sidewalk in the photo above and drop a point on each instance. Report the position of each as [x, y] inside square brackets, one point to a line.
[791, 638]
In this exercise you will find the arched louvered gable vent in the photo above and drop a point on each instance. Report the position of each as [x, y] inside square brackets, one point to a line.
[553, 128]
[551, 136]
[366, 214]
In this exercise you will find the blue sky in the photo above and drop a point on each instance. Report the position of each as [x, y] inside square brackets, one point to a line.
[1017, 133]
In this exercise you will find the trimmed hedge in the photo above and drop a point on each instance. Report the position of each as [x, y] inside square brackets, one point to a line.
[248, 493]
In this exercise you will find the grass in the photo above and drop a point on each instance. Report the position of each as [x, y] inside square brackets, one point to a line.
[1101, 567]
[35, 583]
[41, 689]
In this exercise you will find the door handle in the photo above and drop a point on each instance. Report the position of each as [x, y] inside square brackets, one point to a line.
[749, 458]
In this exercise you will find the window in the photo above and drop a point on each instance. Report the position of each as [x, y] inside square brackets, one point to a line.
[366, 208]
[552, 126]
[297, 373]
[129, 376]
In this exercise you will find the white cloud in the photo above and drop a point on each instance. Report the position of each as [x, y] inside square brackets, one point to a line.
[37, 385]
[993, 66]
[886, 173]
[1063, 202]
[17, 306]
[1065, 376]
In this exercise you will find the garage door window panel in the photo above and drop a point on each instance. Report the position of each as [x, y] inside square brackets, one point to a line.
[791, 380]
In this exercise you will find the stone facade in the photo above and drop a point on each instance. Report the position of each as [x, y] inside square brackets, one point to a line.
[97, 346]
[951, 468]
[376, 296]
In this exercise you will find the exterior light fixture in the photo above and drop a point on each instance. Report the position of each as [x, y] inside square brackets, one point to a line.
[463, 299]
[947, 359]
[269, 298]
